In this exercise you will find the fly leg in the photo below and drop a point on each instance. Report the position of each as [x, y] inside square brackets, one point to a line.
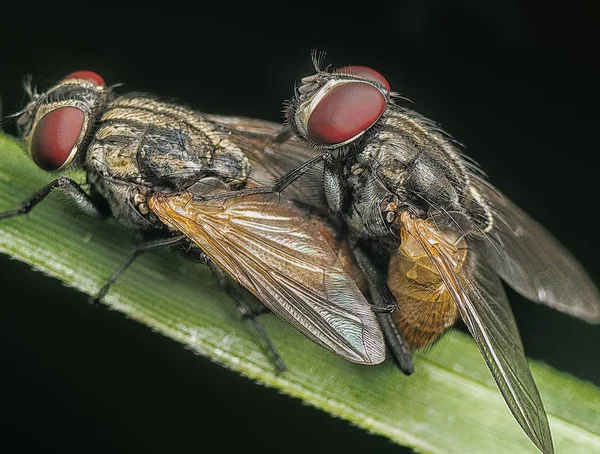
[383, 305]
[247, 313]
[280, 184]
[143, 247]
[240, 298]
[68, 187]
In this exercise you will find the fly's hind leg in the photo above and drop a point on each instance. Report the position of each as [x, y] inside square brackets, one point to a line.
[140, 248]
[241, 298]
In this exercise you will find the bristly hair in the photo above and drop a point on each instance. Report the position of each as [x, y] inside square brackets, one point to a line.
[29, 88]
[32, 94]
[318, 57]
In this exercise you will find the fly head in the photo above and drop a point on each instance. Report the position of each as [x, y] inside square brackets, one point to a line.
[56, 125]
[332, 109]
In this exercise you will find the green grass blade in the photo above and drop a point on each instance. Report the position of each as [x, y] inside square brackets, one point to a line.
[450, 404]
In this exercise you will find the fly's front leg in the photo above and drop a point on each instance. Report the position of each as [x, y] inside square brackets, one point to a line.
[143, 247]
[280, 184]
[384, 301]
[383, 305]
[68, 187]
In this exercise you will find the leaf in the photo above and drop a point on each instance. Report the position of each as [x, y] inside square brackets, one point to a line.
[450, 404]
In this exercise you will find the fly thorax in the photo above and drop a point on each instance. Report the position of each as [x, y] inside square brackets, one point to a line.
[428, 187]
[148, 140]
[365, 214]
[372, 176]
[387, 156]
[434, 176]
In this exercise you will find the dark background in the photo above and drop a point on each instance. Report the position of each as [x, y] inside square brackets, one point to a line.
[514, 82]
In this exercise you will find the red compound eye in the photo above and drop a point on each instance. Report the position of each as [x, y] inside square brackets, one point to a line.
[364, 73]
[55, 136]
[90, 76]
[345, 112]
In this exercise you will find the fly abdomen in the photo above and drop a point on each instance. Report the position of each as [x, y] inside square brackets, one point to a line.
[425, 308]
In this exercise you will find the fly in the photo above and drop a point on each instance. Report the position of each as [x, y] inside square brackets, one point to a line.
[430, 233]
[149, 164]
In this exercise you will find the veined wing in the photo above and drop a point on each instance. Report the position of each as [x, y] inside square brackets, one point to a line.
[534, 263]
[287, 261]
[271, 160]
[483, 306]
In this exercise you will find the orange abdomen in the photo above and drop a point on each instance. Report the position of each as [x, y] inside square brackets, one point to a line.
[425, 308]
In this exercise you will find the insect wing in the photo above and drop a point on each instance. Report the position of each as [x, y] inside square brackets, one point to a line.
[271, 158]
[283, 258]
[532, 262]
[484, 308]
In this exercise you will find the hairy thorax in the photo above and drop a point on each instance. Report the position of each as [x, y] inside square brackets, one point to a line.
[142, 144]
[405, 164]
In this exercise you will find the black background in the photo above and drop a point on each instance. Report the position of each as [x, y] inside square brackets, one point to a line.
[515, 83]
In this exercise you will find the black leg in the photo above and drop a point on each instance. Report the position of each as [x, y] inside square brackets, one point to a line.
[70, 188]
[143, 247]
[248, 314]
[396, 343]
[280, 184]
[382, 301]
[240, 296]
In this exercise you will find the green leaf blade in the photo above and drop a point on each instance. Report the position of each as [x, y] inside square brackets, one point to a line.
[450, 404]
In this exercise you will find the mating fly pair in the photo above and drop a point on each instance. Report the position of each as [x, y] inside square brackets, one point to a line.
[430, 235]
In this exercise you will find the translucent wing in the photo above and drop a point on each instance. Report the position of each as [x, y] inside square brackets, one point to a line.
[271, 159]
[287, 261]
[484, 308]
[258, 140]
[532, 262]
